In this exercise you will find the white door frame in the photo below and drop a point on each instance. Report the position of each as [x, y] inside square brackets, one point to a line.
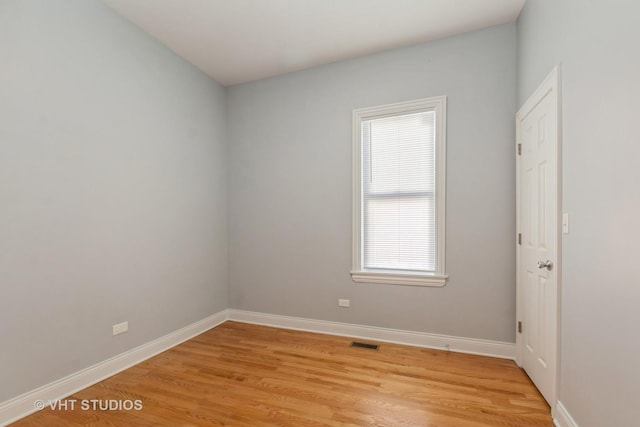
[550, 84]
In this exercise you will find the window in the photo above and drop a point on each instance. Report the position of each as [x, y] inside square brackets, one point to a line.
[399, 193]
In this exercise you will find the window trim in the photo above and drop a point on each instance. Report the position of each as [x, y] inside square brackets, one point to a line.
[397, 277]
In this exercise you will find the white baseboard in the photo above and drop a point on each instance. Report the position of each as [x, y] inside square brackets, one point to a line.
[21, 406]
[418, 339]
[563, 418]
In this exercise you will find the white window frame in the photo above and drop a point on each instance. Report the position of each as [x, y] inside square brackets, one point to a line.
[358, 274]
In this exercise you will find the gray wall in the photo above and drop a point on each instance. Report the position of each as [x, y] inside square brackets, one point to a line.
[290, 188]
[597, 44]
[112, 190]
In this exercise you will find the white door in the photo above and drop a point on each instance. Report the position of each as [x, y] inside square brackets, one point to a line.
[538, 261]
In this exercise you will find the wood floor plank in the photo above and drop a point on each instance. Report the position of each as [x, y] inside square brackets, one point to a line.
[247, 375]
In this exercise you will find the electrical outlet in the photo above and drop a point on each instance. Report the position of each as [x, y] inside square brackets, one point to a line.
[344, 303]
[120, 328]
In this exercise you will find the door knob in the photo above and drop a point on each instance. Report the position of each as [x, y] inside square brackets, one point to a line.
[545, 264]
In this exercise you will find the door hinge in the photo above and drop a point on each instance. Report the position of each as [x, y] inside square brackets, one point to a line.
[519, 327]
[519, 238]
[519, 149]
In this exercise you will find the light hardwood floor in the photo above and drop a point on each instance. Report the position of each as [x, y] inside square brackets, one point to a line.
[246, 375]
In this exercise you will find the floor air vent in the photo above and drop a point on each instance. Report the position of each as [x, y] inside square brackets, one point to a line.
[364, 345]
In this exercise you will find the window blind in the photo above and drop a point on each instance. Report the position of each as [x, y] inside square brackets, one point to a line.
[398, 192]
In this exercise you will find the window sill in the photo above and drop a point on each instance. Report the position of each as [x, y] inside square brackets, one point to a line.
[399, 279]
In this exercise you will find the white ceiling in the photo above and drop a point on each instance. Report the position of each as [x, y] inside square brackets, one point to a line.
[236, 41]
